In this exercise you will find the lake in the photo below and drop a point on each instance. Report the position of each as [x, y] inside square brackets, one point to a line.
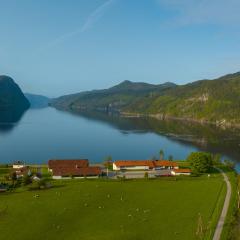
[42, 134]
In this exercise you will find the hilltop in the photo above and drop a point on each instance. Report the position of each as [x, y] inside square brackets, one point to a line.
[115, 98]
[11, 96]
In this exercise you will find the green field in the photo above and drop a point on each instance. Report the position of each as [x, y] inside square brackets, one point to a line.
[102, 210]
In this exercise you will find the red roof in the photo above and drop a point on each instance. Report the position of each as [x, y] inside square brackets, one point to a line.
[183, 170]
[149, 163]
[73, 167]
[131, 163]
[165, 163]
[86, 171]
[71, 163]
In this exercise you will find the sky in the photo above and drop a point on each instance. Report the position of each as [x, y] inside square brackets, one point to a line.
[59, 47]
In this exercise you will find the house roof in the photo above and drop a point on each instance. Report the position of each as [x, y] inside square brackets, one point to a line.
[183, 170]
[130, 163]
[85, 171]
[165, 163]
[68, 163]
[18, 163]
[149, 163]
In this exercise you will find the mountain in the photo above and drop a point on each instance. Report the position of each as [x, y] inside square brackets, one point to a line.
[115, 97]
[214, 101]
[11, 96]
[37, 101]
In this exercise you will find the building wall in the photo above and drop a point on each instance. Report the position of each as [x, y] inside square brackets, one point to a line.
[57, 177]
[60, 177]
[17, 166]
[178, 174]
[116, 168]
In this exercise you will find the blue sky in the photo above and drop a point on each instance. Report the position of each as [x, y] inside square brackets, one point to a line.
[64, 46]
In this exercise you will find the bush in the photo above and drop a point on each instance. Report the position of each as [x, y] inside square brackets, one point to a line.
[26, 180]
[216, 159]
[230, 164]
[40, 184]
[200, 162]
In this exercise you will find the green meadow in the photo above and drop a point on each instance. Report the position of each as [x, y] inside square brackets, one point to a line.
[166, 208]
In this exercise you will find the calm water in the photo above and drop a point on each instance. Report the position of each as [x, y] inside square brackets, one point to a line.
[42, 134]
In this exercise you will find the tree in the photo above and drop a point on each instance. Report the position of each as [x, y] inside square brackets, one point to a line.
[108, 162]
[216, 159]
[200, 162]
[161, 154]
[13, 177]
[170, 158]
[229, 163]
[43, 183]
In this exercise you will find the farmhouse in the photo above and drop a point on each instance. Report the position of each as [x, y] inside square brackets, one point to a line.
[67, 163]
[18, 164]
[133, 165]
[72, 168]
[177, 172]
[22, 171]
[164, 164]
[143, 165]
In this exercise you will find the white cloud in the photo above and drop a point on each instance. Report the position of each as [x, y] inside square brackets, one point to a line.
[96, 15]
[92, 19]
[219, 12]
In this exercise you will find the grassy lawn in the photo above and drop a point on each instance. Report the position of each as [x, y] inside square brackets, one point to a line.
[3, 172]
[231, 228]
[102, 210]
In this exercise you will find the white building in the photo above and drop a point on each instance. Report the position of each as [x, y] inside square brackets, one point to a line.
[144, 165]
[133, 165]
[18, 165]
[177, 172]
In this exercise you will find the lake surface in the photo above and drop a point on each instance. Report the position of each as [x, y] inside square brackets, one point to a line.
[43, 134]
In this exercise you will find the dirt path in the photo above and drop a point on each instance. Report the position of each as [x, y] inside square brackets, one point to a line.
[219, 228]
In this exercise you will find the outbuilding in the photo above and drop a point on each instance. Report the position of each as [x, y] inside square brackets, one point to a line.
[77, 168]
[183, 171]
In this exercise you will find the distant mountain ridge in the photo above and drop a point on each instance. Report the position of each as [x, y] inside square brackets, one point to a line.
[37, 101]
[215, 101]
[115, 97]
[11, 96]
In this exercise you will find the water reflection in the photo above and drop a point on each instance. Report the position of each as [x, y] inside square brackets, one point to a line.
[10, 118]
[205, 137]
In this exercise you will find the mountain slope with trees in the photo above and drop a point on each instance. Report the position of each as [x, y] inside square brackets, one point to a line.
[216, 101]
[11, 96]
[114, 98]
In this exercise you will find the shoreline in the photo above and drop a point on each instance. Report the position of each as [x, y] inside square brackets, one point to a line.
[223, 123]
[218, 123]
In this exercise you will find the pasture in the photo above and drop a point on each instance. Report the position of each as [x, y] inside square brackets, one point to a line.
[106, 210]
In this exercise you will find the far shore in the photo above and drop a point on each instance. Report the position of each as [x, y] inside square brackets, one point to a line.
[218, 123]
